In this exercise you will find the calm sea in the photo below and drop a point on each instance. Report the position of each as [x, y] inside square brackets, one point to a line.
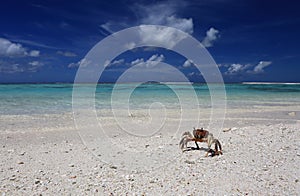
[57, 98]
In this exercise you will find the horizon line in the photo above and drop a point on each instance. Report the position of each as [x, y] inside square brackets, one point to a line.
[150, 82]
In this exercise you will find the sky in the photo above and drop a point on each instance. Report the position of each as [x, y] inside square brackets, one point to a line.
[250, 40]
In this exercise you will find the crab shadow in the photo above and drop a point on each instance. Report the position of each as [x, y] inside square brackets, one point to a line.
[194, 148]
[211, 152]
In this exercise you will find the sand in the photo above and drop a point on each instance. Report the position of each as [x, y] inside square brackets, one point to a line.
[45, 155]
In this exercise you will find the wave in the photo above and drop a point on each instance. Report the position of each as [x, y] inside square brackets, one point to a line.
[273, 87]
[288, 83]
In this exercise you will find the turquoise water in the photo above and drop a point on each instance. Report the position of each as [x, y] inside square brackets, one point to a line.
[57, 98]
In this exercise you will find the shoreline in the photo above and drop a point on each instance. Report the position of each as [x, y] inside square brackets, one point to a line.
[260, 114]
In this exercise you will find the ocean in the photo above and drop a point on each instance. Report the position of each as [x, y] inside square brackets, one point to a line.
[132, 106]
[29, 99]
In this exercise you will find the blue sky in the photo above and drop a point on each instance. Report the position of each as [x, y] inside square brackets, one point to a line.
[43, 41]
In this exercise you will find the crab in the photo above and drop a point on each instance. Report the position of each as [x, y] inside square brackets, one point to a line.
[201, 135]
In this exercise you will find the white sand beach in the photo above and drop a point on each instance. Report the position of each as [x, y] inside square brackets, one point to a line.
[45, 155]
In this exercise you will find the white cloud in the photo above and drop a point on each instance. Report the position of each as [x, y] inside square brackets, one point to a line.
[149, 63]
[34, 63]
[7, 48]
[111, 27]
[151, 69]
[10, 49]
[163, 14]
[183, 24]
[114, 63]
[235, 68]
[118, 62]
[165, 37]
[248, 68]
[211, 35]
[137, 61]
[83, 62]
[9, 67]
[34, 66]
[259, 68]
[187, 63]
[156, 58]
[34, 53]
[154, 14]
[130, 45]
[66, 53]
[191, 74]
[34, 43]
[107, 27]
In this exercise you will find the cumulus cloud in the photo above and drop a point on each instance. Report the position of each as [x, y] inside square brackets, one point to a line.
[187, 63]
[151, 62]
[151, 69]
[34, 66]
[165, 37]
[130, 45]
[12, 68]
[237, 68]
[137, 61]
[10, 64]
[160, 13]
[7, 48]
[183, 24]
[259, 68]
[10, 49]
[66, 53]
[9, 67]
[191, 73]
[211, 36]
[34, 53]
[114, 63]
[34, 63]
[118, 62]
[156, 57]
[83, 62]
[163, 14]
